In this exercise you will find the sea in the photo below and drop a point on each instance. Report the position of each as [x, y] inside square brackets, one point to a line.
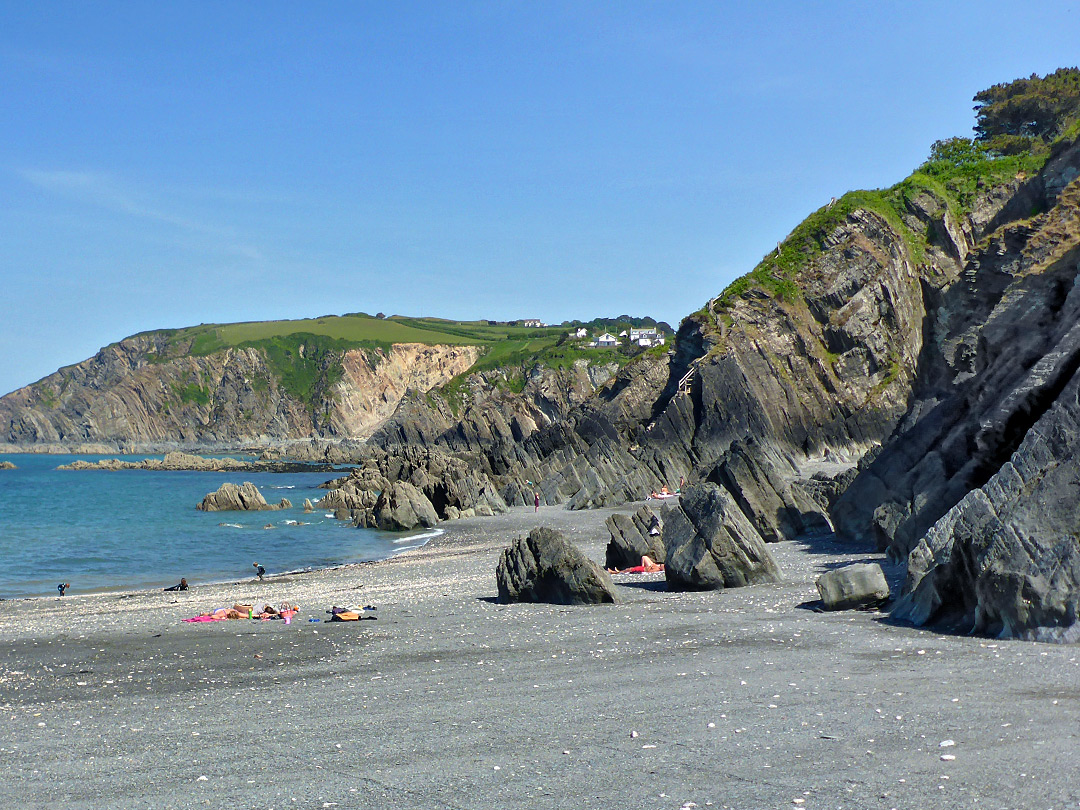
[106, 531]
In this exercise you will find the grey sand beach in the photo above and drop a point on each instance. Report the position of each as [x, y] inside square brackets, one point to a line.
[737, 699]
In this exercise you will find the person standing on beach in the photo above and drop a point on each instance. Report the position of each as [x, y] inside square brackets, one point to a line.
[260, 572]
[62, 587]
[536, 501]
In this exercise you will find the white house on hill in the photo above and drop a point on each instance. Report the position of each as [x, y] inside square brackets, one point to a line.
[646, 337]
[580, 332]
[607, 341]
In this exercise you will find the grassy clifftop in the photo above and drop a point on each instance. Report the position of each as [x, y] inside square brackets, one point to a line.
[301, 354]
[1019, 126]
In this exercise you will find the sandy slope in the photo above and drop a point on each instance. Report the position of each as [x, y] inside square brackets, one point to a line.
[738, 699]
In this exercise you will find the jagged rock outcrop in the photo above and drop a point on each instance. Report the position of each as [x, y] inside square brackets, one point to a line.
[711, 545]
[1005, 560]
[401, 507]
[1003, 346]
[447, 482]
[7, 465]
[246, 497]
[545, 567]
[633, 537]
[761, 480]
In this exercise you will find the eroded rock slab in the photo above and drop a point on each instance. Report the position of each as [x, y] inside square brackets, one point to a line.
[401, 507]
[711, 545]
[633, 537]
[545, 567]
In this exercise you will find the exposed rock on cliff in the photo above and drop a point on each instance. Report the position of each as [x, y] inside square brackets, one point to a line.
[1005, 560]
[129, 396]
[1003, 346]
[230, 497]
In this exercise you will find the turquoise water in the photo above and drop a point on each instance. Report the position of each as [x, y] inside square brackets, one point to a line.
[132, 529]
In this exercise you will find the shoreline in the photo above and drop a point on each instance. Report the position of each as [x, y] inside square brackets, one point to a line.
[741, 698]
[281, 576]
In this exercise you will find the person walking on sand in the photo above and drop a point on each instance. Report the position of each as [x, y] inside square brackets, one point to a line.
[536, 501]
[62, 587]
[260, 572]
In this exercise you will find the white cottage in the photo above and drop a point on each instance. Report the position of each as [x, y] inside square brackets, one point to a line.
[607, 341]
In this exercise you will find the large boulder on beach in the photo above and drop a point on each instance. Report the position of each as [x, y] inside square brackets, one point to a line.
[401, 507]
[711, 545]
[545, 567]
[246, 497]
[860, 585]
[633, 537]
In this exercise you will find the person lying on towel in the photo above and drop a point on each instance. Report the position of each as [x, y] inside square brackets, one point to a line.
[648, 566]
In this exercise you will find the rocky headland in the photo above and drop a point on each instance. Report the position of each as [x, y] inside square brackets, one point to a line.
[176, 461]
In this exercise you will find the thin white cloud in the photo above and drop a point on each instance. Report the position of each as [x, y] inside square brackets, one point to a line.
[105, 192]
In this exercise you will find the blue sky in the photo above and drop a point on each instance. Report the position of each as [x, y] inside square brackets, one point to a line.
[172, 164]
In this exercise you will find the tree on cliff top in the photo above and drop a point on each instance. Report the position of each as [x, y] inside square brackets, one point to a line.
[1026, 113]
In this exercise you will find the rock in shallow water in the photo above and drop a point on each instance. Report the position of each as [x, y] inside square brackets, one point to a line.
[233, 498]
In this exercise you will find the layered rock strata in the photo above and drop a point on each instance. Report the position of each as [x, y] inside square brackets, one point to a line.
[129, 397]
[545, 567]
[711, 545]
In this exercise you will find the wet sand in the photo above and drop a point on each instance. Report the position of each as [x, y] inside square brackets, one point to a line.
[741, 699]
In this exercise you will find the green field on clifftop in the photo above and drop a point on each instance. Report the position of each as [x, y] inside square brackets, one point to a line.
[300, 353]
[357, 330]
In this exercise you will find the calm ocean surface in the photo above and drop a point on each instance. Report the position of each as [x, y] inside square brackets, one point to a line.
[140, 529]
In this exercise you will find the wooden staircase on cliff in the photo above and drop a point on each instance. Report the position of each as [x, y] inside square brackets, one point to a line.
[686, 381]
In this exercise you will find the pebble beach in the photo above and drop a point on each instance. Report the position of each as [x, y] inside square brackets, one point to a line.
[747, 698]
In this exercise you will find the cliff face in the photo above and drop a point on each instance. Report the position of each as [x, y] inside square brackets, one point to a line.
[978, 482]
[126, 395]
[762, 389]
[997, 357]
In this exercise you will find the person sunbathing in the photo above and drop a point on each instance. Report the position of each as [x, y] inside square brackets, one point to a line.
[180, 586]
[237, 611]
[648, 566]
